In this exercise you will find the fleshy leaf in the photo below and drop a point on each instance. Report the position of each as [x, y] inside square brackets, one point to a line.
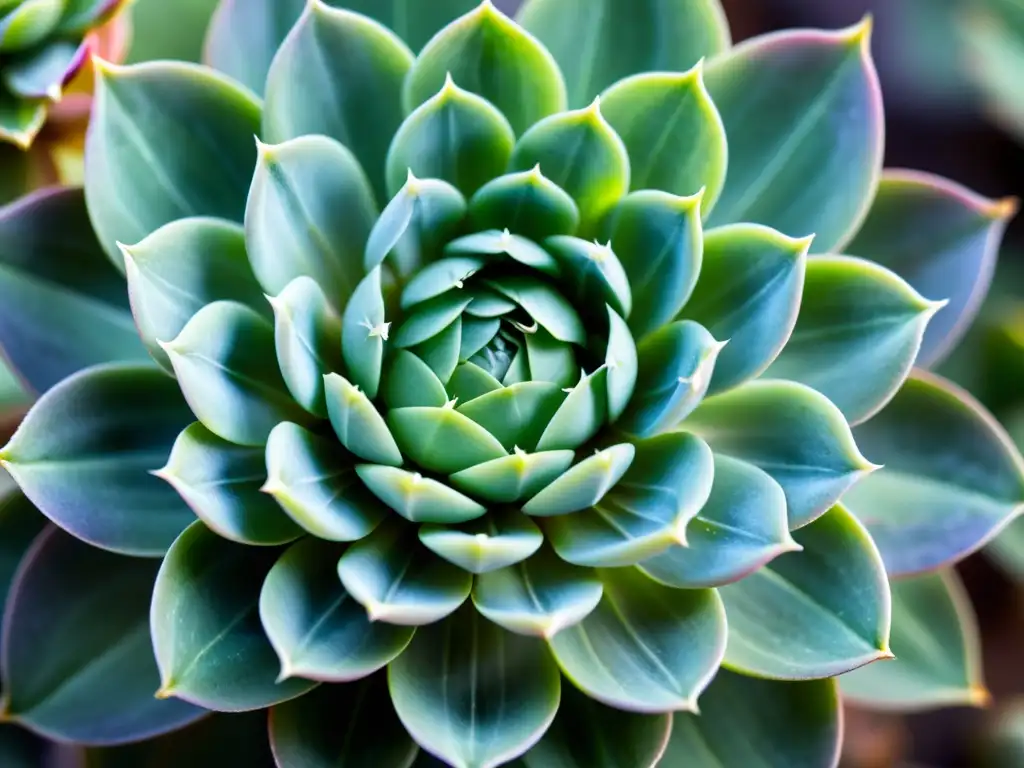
[335, 725]
[363, 333]
[99, 688]
[815, 613]
[489, 54]
[399, 581]
[431, 317]
[486, 544]
[783, 724]
[496, 243]
[580, 416]
[803, 116]
[598, 44]
[41, 71]
[544, 304]
[318, 630]
[517, 414]
[508, 696]
[20, 524]
[667, 484]
[441, 352]
[591, 273]
[20, 120]
[145, 116]
[442, 439]
[84, 453]
[209, 644]
[621, 358]
[29, 23]
[182, 267]
[352, 71]
[358, 425]
[794, 434]
[512, 478]
[410, 383]
[659, 241]
[310, 211]
[439, 277]
[749, 294]
[584, 485]
[471, 381]
[855, 317]
[952, 479]
[938, 654]
[527, 203]
[627, 653]
[226, 367]
[316, 485]
[49, 257]
[418, 499]
[742, 527]
[221, 482]
[672, 131]
[307, 337]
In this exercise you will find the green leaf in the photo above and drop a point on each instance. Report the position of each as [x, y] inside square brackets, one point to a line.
[399, 581]
[512, 478]
[527, 203]
[675, 366]
[438, 278]
[40, 72]
[470, 381]
[672, 131]
[741, 528]
[182, 267]
[153, 37]
[783, 724]
[316, 485]
[943, 239]
[598, 44]
[20, 120]
[621, 358]
[507, 695]
[455, 136]
[226, 367]
[418, 499]
[84, 452]
[144, 117]
[318, 630]
[99, 688]
[748, 294]
[62, 306]
[351, 69]
[486, 544]
[517, 414]
[409, 383]
[544, 304]
[209, 644]
[358, 425]
[305, 732]
[363, 333]
[584, 485]
[20, 524]
[539, 596]
[310, 211]
[307, 337]
[591, 273]
[660, 243]
[628, 653]
[28, 24]
[815, 613]
[667, 484]
[952, 479]
[581, 153]
[855, 317]
[580, 416]
[497, 243]
[442, 439]
[431, 317]
[794, 434]
[587, 733]
[221, 482]
[937, 646]
[489, 54]
[803, 115]
[477, 333]
[441, 353]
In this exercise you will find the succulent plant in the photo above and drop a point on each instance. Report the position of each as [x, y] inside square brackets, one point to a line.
[491, 404]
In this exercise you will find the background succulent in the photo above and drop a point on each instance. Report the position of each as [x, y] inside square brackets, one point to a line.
[548, 412]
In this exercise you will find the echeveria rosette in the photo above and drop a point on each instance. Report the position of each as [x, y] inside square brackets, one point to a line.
[505, 410]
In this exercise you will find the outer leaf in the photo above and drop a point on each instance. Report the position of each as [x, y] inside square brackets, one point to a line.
[598, 44]
[50, 258]
[783, 724]
[341, 725]
[29, 23]
[310, 211]
[791, 432]
[941, 238]
[803, 114]
[748, 293]
[221, 482]
[522, 79]
[815, 613]
[84, 452]
[855, 317]
[358, 424]
[182, 267]
[318, 630]
[952, 478]
[354, 66]
[205, 622]
[144, 116]
[226, 368]
[938, 654]
[628, 653]
[98, 689]
[591, 274]
[507, 698]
